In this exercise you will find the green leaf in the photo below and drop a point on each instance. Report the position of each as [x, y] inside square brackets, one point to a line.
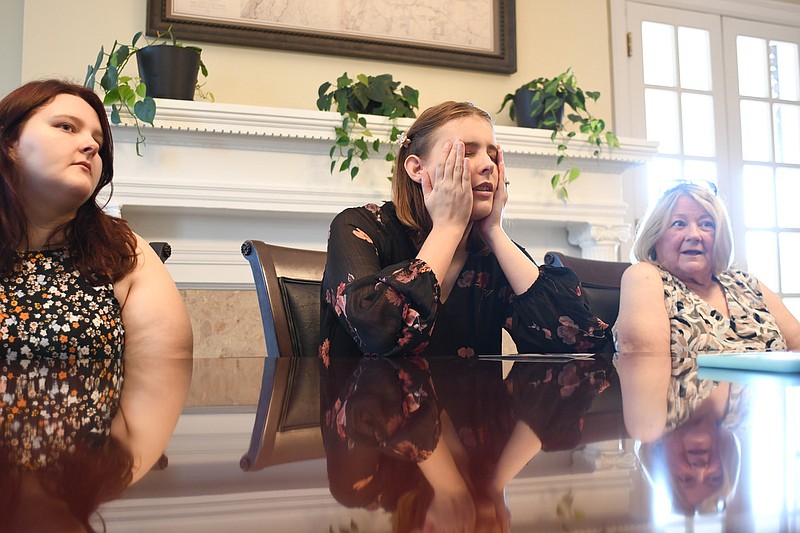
[145, 110]
[574, 172]
[376, 145]
[126, 95]
[110, 79]
[343, 81]
[333, 149]
[88, 81]
[333, 165]
[353, 172]
[361, 144]
[554, 181]
[115, 118]
[560, 159]
[111, 97]
[612, 140]
[136, 38]
[141, 90]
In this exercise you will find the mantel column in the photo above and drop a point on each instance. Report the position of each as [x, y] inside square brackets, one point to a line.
[598, 241]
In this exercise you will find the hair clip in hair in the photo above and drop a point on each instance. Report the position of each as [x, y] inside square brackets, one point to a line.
[404, 140]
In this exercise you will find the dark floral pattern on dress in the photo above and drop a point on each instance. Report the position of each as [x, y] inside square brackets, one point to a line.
[47, 309]
[378, 299]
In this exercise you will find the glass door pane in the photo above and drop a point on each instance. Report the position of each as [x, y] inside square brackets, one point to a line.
[763, 85]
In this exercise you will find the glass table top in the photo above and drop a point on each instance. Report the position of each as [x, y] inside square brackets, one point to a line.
[637, 442]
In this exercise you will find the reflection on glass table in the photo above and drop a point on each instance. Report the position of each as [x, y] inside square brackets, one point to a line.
[696, 452]
[716, 446]
[435, 442]
[58, 461]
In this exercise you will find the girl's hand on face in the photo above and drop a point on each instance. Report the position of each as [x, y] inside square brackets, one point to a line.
[448, 194]
[495, 218]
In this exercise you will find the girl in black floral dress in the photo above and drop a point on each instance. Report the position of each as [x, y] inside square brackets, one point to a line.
[434, 273]
[76, 284]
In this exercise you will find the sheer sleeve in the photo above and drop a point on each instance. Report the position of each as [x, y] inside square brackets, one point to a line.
[552, 317]
[388, 308]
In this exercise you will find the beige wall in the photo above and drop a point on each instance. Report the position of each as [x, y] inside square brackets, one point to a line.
[10, 37]
[61, 37]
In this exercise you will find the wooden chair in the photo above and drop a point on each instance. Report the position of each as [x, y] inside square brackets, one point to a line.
[600, 282]
[286, 426]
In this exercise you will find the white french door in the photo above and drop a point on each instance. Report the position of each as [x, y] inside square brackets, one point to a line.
[763, 95]
[721, 95]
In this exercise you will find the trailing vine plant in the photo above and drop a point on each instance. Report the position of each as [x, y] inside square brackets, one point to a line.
[366, 95]
[548, 98]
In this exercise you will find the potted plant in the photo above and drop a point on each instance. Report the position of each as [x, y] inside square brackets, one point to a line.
[167, 69]
[366, 95]
[540, 103]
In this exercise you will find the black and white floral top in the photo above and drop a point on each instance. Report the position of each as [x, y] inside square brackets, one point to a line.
[48, 309]
[696, 327]
[377, 299]
[61, 372]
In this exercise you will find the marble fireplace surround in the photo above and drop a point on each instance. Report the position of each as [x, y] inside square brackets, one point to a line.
[212, 175]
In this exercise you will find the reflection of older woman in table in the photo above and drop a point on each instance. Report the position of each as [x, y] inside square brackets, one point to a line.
[686, 439]
[682, 296]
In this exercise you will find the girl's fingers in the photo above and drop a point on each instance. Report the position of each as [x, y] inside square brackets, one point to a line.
[427, 185]
[445, 162]
[459, 166]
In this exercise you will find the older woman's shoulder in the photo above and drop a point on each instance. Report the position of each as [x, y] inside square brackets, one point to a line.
[642, 272]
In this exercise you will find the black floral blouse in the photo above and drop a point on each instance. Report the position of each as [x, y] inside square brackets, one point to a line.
[61, 340]
[377, 299]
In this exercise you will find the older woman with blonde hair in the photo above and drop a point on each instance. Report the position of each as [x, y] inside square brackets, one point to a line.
[682, 296]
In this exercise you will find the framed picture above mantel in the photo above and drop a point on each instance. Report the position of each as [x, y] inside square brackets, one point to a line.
[468, 34]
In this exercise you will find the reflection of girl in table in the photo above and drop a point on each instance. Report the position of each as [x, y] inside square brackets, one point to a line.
[436, 441]
[58, 461]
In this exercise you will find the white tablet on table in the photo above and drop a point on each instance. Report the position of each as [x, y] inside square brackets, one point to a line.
[760, 361]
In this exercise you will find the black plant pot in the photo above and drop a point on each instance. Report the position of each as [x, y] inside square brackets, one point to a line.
[169, 71]
[522, 112]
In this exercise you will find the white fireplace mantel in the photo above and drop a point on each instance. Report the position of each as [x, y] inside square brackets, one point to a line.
[212, 175]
